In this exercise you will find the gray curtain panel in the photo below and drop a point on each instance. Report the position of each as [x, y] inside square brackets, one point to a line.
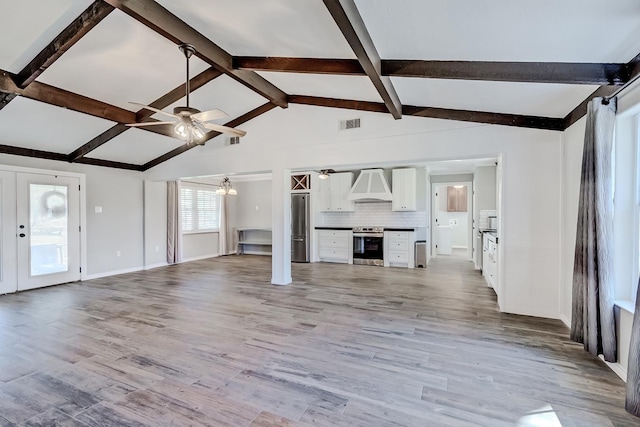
[632, 403]
[174, 226]
[592, 320]
[222, 232]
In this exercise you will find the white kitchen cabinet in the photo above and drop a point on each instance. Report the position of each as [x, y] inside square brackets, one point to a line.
[490, 259]
[334, 191]
[335, 246]
[404, 190]
[398, 249]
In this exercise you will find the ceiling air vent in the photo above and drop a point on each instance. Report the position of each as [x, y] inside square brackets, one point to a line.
[349, 124]
[233, 140]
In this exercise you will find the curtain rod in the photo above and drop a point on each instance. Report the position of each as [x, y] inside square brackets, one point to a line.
[606, 99]
[202, 183]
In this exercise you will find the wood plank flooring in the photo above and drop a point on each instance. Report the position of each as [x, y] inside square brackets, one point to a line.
[211, 342]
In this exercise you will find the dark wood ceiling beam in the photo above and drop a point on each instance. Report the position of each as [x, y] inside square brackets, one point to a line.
[210, 135]
[299, 65]
[505, 119]
[170, 26]
[62, 98]
[110, 164]
[49, 155]
[95, 13]
[348, 104]
[527, 72]
[632, 72]
[535, 122]
[6, 98]
[346, 15]
[144, 114]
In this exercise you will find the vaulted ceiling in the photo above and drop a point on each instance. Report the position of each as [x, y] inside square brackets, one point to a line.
[69, 68]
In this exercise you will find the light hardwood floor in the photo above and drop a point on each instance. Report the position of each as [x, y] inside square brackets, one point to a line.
[212, 343]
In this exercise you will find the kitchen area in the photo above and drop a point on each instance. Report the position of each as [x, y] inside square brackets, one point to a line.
[374, 217]
[380, 217]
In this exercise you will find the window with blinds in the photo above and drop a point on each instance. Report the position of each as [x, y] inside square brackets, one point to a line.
[199, 208]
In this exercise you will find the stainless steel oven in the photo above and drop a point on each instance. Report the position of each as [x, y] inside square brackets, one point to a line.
[367, 246]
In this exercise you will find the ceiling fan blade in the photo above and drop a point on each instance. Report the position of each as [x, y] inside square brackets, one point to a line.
[155, 109]
[150, 124]
[223, 129]
[205, 116]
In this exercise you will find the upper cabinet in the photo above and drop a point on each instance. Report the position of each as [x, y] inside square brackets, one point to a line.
[334, 191]
[457, 198]
[404, 190]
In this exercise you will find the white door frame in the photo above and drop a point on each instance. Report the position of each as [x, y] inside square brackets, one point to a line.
[434, 224]
[82, 202]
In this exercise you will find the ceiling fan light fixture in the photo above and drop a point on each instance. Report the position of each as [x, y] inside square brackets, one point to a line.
[197, 133]
[324, 174]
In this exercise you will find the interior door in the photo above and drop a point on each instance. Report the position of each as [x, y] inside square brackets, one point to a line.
[48, 230]
[8, 273]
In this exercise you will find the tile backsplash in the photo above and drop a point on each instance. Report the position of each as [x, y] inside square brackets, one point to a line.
[374, 214]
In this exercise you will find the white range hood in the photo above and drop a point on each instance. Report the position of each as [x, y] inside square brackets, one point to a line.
[371, 186]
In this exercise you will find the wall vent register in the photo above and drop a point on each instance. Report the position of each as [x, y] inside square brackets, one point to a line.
[349, 124]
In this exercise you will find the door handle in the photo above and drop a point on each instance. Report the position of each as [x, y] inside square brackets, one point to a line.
[22, 235]
[298, 240]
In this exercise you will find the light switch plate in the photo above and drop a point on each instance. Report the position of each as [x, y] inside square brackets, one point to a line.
[98, 209]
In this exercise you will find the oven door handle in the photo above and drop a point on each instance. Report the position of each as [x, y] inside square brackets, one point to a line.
[368, 234]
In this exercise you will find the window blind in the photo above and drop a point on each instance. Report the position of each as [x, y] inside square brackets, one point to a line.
[199, 208]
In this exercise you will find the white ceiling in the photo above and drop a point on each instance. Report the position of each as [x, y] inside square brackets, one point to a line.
[29, 25]
[298, 28]
[121, 60]
[504, 30]
[536, 99]
[33, 124]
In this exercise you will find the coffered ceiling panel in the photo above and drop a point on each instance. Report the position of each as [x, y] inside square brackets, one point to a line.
[504, 30]
[299, 28]
[537, 99]
[325, 85]
[30, 25]
[223, 93]
[33, 124]
[135, 146]
[120, 61]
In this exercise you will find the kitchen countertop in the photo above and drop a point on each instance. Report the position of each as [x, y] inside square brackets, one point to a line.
[334, 228]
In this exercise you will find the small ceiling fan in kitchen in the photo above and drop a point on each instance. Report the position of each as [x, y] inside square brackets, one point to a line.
[190, 124]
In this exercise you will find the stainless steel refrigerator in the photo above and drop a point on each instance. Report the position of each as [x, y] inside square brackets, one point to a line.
[300, 227]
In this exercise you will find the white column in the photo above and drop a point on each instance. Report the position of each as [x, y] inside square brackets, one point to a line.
[281, 227]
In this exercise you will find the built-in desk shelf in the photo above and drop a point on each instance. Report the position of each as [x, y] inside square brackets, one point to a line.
[255, 241]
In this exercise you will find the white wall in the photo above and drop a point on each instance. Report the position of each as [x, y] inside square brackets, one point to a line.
[253, 204]
[120, 225]
[531, 168]
[199, 245]
[155, 223]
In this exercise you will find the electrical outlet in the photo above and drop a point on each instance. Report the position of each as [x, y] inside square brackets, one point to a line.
[257, 207]
[98, 209]
[118, 253]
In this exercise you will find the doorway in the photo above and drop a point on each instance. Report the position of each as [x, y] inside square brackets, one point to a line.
[40, 235]
[452, 223]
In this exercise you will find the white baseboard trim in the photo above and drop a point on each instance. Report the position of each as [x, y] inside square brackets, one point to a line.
[196, 258]
[152, 266]
[112, 273]
[257, 253]
[617, 368]
[565, 319]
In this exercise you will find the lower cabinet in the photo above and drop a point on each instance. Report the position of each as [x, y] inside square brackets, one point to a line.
[335, 246]
[399, 249]
[490, 260]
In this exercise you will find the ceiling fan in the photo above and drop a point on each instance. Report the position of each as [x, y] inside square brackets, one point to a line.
[190, 122]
